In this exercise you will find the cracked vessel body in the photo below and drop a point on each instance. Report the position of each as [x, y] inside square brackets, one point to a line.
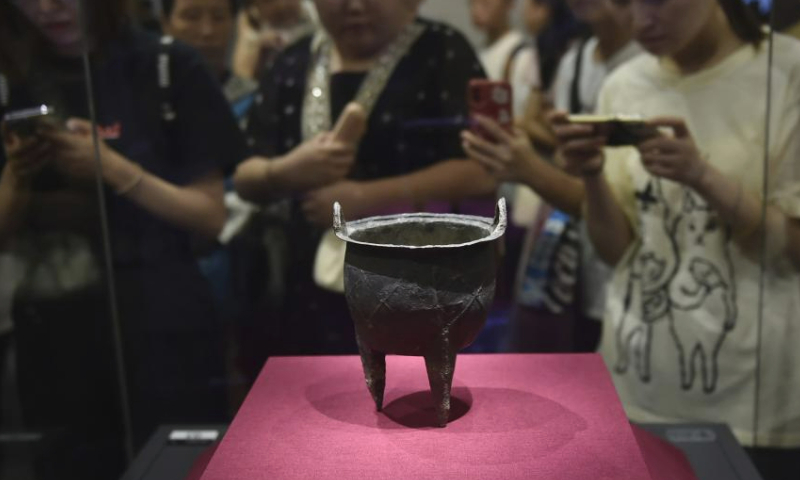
[419, 284]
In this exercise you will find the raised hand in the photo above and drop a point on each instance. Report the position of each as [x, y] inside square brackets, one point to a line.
[507, 156]
[316, 163]
[580, 146]
[673, 157]
[25, 156]
[73, 149]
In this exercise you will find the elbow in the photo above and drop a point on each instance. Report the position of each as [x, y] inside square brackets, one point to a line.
[611, 247]
[479, 181]
[242, 187]
[244, 184]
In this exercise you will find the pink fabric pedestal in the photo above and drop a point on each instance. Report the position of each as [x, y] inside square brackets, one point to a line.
[513, 416]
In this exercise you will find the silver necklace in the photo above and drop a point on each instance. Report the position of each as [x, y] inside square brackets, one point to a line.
[316, 115]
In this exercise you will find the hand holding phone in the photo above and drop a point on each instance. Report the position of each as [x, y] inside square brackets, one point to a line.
[492, 99]
[28, 153]
[580, 146]
[27, 122]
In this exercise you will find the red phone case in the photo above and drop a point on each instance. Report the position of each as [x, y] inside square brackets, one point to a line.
[493, 99]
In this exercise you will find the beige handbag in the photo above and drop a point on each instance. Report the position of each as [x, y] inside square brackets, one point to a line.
[329, 262]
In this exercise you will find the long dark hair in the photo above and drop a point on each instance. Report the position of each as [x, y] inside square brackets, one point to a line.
[21, 42]
[167, 6]
[744, 21]
[555, 38]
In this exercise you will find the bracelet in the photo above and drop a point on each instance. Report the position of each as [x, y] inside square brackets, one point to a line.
[133, 183]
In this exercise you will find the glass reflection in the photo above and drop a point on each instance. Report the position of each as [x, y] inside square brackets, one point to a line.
[679, 217]
[676, 241]
[65, 379]
[166, 138]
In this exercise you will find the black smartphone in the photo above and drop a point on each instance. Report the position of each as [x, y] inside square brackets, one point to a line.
[620, 130]
[26, 122]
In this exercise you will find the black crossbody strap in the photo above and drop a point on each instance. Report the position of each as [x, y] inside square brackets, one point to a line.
[575, 104]
[165, 79]
[4, 92]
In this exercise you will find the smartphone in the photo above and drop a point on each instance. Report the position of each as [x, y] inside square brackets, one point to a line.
[352, 124]
[26, 122]
[493, 99]
[621, 130]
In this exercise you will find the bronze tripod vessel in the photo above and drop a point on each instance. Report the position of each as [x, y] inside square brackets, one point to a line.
[419, 284]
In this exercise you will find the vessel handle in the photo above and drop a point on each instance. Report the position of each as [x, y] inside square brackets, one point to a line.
[500, 218]
[339, 225]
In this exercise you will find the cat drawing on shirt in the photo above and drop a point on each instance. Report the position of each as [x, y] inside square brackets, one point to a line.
[647, 290]
[702, 292]
[690, 285]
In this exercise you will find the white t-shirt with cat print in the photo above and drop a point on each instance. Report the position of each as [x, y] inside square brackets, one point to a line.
[682, 317]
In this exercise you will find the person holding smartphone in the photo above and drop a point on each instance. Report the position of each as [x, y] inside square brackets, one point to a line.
[410, 76]
[562, 312]
[166, 138]
[679, 217]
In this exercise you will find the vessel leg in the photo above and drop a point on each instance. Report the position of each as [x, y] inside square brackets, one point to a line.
[374, 364]
[441, 365]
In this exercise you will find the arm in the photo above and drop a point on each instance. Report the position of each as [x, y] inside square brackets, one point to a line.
[582, 149]
[511, 157]
[743, 212]
[609, 229]
[197, 207]
[315, 163]
[450, 180]
[678, 158]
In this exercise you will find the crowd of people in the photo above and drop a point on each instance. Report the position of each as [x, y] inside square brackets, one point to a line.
[153, 257]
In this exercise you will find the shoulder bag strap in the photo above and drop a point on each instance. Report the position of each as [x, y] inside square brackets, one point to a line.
[4, 92]
[510, 60]
[575, 104]
[165, 79]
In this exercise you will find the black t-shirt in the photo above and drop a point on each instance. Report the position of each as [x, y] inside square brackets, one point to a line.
[429, 83]
[202, 138]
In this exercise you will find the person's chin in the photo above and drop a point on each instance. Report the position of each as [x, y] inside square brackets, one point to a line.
[360, 41]
[657, 46]
[67, 42]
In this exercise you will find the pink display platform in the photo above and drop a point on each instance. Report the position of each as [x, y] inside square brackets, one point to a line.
[513, 416]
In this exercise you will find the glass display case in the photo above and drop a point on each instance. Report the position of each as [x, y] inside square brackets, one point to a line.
[169, 170]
